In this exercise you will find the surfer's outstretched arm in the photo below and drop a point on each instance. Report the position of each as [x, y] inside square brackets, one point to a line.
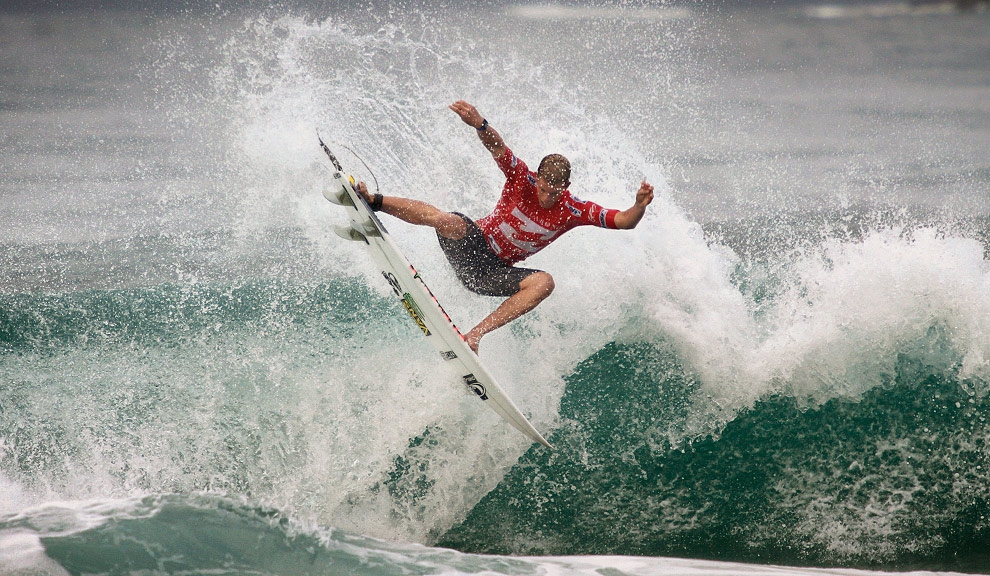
[628, 219]
[489, 136]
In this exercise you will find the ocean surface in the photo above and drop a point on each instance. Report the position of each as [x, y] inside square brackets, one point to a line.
[785, 369]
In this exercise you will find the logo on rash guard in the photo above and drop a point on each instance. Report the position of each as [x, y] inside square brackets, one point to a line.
[509, 234]
[526, 225]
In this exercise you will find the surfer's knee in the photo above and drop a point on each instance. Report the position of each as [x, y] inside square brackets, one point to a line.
[450, 225]
[540, 283]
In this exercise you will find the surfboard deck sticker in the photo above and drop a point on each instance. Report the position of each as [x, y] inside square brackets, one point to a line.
[416, 297]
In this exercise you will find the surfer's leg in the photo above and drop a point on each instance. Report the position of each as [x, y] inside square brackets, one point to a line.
[532, 290]
[420, 213]
[417, 212]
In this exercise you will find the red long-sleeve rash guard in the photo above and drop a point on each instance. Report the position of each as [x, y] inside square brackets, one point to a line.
[519, 227]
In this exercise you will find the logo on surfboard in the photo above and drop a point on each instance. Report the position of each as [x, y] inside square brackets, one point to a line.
[476, 386]
[407, 301]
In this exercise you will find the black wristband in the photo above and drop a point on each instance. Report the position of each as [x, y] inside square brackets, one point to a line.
[484, 125]
[376, 202]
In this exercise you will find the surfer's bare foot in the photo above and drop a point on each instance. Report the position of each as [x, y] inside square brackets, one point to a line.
[362, 189]
[374, 200]
[473, 339]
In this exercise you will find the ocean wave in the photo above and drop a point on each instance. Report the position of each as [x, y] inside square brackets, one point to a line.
[208, 534]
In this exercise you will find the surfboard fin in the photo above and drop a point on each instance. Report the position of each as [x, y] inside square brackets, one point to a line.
[349, 233]
[335, 193]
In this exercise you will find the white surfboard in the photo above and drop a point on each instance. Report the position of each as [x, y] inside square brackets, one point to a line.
[418, 300]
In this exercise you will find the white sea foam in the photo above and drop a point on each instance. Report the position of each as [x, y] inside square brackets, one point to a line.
[22, 553]
[851, 311]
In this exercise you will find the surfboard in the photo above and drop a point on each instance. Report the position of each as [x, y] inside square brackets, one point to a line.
[418, 300]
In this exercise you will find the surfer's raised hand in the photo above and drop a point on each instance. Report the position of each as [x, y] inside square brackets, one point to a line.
[628, 219]
[468, 113]
[489, 136]
[644, 196]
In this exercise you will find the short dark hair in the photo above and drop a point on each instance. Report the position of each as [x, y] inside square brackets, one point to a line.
[556, 169]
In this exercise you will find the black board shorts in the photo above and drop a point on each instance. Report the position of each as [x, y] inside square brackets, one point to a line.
[477, 267]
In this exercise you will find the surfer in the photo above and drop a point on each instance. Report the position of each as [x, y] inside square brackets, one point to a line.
[534, 210]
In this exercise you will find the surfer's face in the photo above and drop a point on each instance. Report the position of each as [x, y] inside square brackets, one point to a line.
[552, 178]
[549, 193]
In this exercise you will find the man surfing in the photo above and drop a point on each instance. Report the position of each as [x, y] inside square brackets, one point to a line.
[535, 209]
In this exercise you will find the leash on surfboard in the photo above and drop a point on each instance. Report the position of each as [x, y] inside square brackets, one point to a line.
[336, 163]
